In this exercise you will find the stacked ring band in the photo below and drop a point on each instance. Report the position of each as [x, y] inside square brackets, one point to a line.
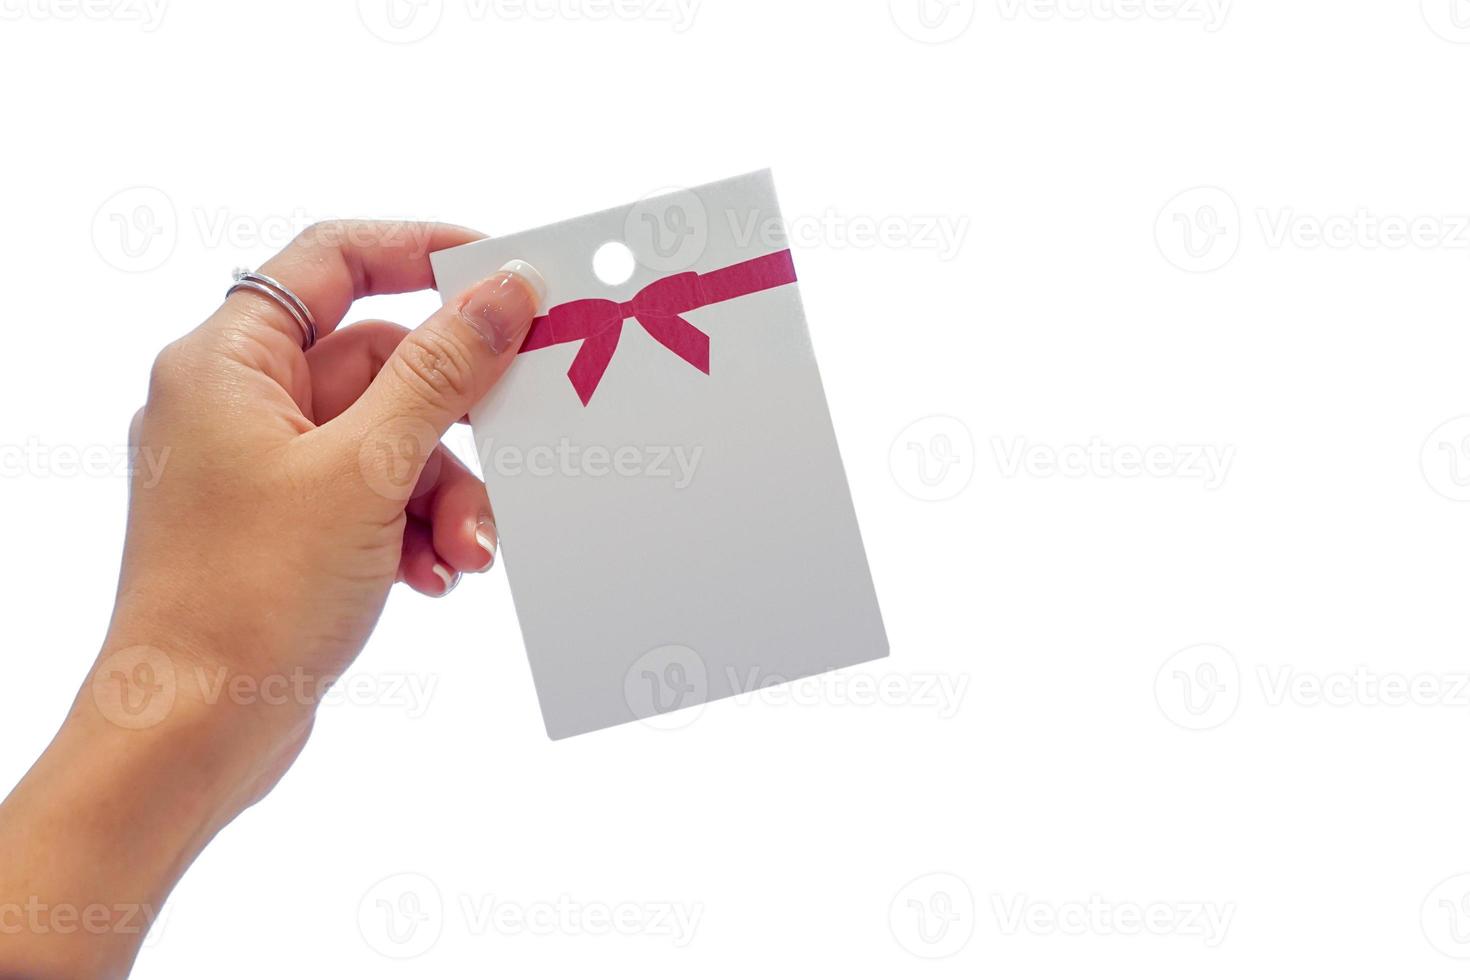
[260, 283]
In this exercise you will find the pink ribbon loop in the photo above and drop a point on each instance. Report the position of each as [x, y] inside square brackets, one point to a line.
[658, 308]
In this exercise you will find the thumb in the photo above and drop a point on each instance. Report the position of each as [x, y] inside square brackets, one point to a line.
[438, 372]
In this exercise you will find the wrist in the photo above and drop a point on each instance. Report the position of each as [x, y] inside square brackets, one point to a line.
[179, 734]
[121, 802]
[217, 729]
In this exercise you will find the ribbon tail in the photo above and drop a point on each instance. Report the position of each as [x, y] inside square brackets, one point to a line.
[542, 334]
[679, 336]
[592, 360]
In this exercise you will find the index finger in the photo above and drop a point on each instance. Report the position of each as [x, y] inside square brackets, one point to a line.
[333, 263]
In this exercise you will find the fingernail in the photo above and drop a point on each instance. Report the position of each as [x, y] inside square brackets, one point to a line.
[450, 579]
[486, 538]
[501, 308]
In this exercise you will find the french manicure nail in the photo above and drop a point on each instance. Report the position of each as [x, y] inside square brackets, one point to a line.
[450, 579]
[501, 308]
[486, 538]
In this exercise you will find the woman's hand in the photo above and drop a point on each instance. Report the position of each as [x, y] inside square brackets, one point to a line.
[285, 493]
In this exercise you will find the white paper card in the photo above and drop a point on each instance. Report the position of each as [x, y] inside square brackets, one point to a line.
[687, 533]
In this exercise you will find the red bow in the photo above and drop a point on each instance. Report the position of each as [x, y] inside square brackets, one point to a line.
[598, 323]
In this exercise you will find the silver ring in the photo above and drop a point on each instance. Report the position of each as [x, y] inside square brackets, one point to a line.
[263, 284]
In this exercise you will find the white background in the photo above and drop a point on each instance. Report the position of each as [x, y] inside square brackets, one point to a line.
[1093, 773]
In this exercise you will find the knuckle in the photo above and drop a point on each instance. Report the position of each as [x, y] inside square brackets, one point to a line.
[321, 233]
[438, 367]
[172, 369]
